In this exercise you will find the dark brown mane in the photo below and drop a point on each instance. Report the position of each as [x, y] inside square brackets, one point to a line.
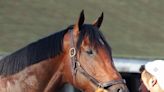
[33, 53]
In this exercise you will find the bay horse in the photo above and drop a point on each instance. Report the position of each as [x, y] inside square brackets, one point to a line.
[78, 55]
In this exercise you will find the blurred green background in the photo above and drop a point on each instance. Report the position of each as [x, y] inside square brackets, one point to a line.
[133, 28]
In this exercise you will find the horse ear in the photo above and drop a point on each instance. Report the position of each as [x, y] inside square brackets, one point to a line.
[98, 22]
[79, 23]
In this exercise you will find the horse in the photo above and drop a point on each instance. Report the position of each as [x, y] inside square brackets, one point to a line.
[78, 54]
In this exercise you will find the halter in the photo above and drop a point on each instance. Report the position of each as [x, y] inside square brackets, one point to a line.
[76, 66]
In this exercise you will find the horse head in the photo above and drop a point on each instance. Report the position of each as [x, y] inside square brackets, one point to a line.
[89, 64]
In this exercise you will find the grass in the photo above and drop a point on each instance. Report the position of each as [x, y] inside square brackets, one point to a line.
[133, 28]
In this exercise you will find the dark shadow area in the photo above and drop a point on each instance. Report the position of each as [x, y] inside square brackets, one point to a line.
[132, 81]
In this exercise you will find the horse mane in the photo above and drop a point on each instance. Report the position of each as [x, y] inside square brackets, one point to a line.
[49, 47]
[33, 53]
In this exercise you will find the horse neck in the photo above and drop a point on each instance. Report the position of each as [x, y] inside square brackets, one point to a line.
[57, 77]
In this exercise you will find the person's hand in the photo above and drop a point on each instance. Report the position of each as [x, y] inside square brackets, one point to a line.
[101, 90]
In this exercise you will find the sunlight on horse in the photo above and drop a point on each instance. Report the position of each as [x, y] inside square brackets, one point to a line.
[101, 90]
[78, 55]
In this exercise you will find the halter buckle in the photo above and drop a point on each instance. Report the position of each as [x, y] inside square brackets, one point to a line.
[72, 52]
[99, 85]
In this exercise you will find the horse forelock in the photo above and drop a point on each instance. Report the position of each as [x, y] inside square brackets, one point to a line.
[96, 38]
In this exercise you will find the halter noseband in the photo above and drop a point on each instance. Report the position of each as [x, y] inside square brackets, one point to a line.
[76, 66]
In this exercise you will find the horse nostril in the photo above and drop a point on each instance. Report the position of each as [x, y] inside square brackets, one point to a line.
[119, 90]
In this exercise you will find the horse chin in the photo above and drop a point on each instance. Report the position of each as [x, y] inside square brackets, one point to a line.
[118, 88]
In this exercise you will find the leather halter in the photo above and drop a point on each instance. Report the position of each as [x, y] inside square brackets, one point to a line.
[76, 66]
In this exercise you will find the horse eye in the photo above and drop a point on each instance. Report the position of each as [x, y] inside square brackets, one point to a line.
[90, 52]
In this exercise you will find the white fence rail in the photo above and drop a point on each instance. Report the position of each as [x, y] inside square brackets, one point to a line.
[129, 65]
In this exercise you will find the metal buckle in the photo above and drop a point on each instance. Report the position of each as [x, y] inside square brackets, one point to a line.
[72, 52]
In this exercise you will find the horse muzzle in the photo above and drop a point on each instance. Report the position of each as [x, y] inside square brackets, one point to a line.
[117, 88]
